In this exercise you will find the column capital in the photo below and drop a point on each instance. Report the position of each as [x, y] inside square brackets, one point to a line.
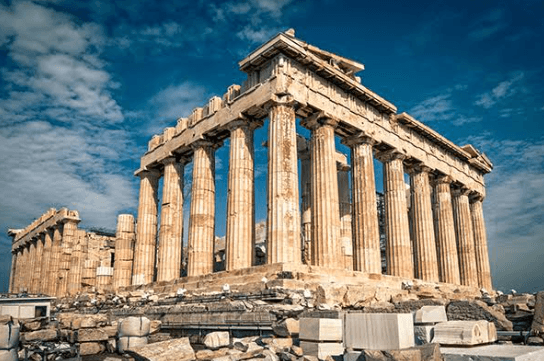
[280, 100]
[419, 168]
[342, 167]
[390, 155]
[319, 119]
[169, 160]
[244, 121]
[359, 138]
[442, 179]
[205, 142]
[151, 173]
[476, 197]
[461, 191]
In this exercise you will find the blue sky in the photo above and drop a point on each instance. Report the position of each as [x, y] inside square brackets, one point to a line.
[84, 85]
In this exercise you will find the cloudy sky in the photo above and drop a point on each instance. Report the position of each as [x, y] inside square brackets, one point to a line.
[85, 84]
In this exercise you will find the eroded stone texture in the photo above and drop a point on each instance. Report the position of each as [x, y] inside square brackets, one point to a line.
[465, 238]
[346, 237]
[124, 251]
[480, 244]
[46, 261]
[79, 250]
[283, 230]
[202, 212]
[144, 250]
[448, 260]
[169, 253]
[422, 225]
[241, 197]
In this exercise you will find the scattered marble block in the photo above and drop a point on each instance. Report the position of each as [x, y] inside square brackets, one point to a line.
[423, 334]
[178, 349]
[322, 349]
[467, 333]
[320, 329]
[430, 314]
[379, 331]
[493, 353]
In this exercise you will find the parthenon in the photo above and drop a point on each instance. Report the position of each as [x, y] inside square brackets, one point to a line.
[321, 205]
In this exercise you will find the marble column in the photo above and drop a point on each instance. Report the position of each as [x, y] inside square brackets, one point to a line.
[13, 272]
[46, 262]
[306, 217]
[346, 239]
[69, 230]
[240, 197]
[480, 243]
[171, 229]
[55, 262]
[448, 259]
[465, 238]
[37, 265]
[76, 262]
[326, 251]
[425, 259]
[202, 212]
[366, 234]
[399, 252]
[283, 221]
[124, 251]
[23, 285]
[146, 232]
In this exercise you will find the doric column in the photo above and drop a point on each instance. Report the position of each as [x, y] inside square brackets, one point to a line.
[306, 217]
[202, 211]
[68, 234]
[171, 229]
[399, 252]
[480, 243]
[46, 262]
[146, 233]
[13, 271]
[422, 225]
[55, 262]
[326, 251]
[344, 203]
[23, 284]
[124, 251]
[366, 234]
[37, 268]
[76, 262]
[448, 259]
[465, 237]
[283, 221]
[240, 197]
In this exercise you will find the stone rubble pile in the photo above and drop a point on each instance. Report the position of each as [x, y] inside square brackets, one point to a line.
[9, 338]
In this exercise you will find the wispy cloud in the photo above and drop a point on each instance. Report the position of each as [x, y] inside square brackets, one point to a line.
[438, 107]
[488, 25]
[504, 89]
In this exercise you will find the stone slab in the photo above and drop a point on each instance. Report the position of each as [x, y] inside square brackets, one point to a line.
[379, 331]
[468, 333]
[430, 314]
[423, 334]
[320, 329]
[177, 349]
[493, 353]
[322, 349]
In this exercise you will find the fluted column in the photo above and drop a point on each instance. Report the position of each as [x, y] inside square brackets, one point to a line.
[240, 197]
[399, 252]
[69, 230]
[76, 262]
[146, 233]
[37, 268]
[480, 243]
[346, 239]
[55, 262]
[171, 230]
[448, 258]
[326, 251]
[465, 237]
[366, 234]
[13, 271]
[46, 262]
[422, 225]
[124, 251]
[202, 211]
[283, 221]
[23, 284]
[306, 217]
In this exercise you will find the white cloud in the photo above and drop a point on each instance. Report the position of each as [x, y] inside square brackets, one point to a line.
[435, 108]
[504, 89]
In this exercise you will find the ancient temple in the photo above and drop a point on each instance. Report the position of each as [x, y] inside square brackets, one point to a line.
[436, 235]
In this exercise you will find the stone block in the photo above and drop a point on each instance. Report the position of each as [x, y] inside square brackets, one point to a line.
[91, 348]
[322, 349]
[178, 349]
[538, 319]
[127, 342]
[320, 329]
[134, 326]
[41, 335]
[430, 314]
[429, 352]
[215, 340]
[9, 335]
[286, 328]
[379, 331]
[477, 310]
[423, 334]
[464, 333]
[493, 353]
[9, 355]
[91, 334]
